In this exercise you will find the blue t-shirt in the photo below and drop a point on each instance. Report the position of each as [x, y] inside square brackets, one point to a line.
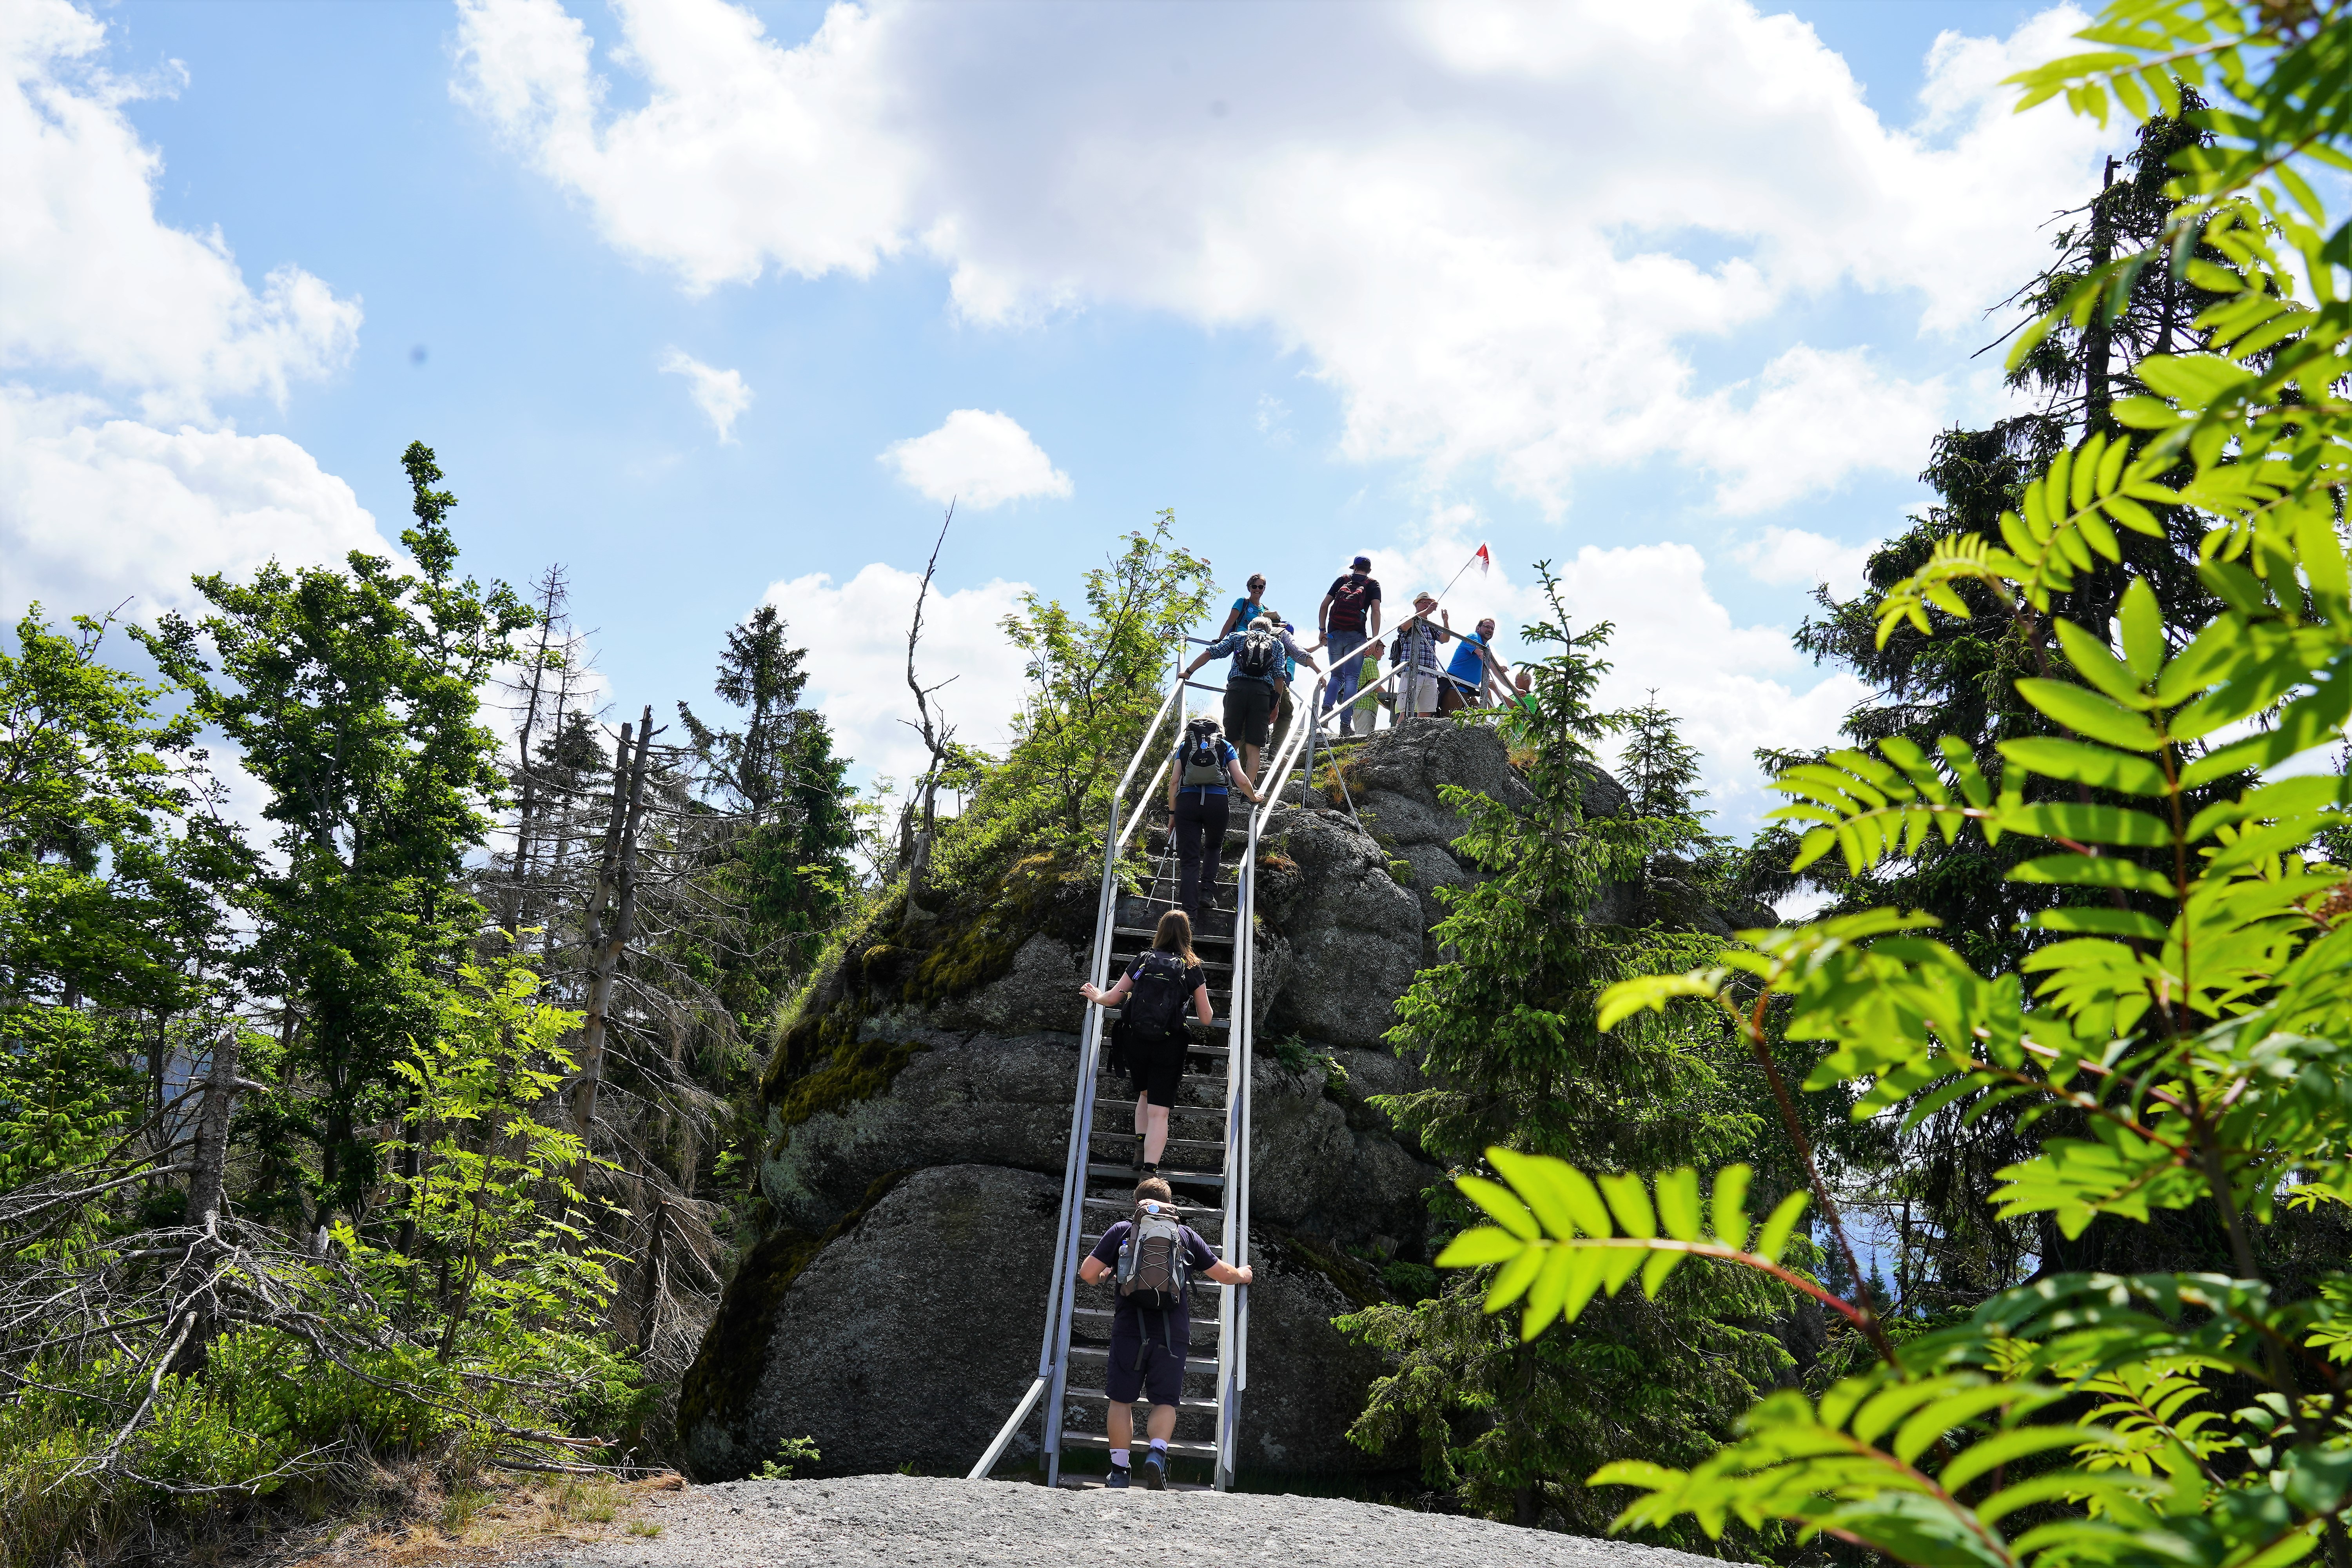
[1226, 755]
[1467, 667]
[1251, 610]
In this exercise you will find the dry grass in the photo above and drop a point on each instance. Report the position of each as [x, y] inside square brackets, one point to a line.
[494, 1517]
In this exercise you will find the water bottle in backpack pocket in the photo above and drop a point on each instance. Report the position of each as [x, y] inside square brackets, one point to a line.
[1203, 755]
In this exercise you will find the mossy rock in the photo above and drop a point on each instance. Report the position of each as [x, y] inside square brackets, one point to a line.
[726, 1371]
[896, 957]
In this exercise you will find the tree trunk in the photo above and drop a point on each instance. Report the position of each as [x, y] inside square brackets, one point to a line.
[649, 1288]
[208, 1181]
[609, 942]
[2097, 397]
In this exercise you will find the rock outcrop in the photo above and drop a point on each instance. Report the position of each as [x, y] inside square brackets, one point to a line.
[908, 1337]
[919, 1106]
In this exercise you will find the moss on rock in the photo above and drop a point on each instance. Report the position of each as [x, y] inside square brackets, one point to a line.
[894, 956]
[855, 1070]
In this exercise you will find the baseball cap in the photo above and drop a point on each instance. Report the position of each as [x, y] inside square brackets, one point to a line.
[1361, 564]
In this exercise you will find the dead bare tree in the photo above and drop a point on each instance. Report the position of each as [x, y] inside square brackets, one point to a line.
[939, 736]
[616, 890]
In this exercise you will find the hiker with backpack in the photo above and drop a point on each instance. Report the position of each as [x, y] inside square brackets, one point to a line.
[1258, 651]
[1149, 1040]
[1247, 609]
[1349, 619]
[1198, 807]
[1152, 1256]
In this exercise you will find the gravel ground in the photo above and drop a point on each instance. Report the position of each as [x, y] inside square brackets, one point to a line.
[921, 1522]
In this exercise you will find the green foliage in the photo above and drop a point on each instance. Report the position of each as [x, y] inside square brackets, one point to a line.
[1508, 1028]
[784, 850]
[2179, 1038]
[790, 1453]
[1095, 677]
[499, 1257]
[351, 695]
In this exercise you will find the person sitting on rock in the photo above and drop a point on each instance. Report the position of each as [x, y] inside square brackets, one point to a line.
[1151, 1364]
[1160, 982]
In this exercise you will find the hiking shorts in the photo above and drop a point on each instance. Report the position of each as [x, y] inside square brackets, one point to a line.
[1157, 1071]
[1163, 1377]
[1419, 688]
[1249, 704]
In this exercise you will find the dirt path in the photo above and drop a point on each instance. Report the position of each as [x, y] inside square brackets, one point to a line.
[919, 1522]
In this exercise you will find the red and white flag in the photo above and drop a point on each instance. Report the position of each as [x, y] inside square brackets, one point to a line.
[1485, 561]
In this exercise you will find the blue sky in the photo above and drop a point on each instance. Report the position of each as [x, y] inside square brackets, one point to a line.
[1674, 299]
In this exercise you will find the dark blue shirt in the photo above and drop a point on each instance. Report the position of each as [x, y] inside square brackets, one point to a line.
[1125, 1318]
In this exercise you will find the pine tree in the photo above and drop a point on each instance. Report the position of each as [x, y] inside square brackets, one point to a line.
[1507, 1030]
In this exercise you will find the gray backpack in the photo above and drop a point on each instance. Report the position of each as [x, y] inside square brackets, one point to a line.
[1203, 756]
[1152, 1269]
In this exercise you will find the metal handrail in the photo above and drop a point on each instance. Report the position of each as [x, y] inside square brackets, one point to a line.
[1233, 1330]
[1052, 1370]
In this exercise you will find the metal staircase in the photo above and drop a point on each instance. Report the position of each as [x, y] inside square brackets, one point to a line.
[1207, 1157]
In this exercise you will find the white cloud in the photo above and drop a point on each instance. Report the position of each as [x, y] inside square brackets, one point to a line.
[95, 511]
[722, 394]
[857, 636]
[102, 301]
[980, 460]
[1810, 420]
[1498, 231]
[90, 283]
[749, 156]
[1798, 558]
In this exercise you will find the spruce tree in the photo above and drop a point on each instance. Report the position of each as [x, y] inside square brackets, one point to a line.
[1507, 1031]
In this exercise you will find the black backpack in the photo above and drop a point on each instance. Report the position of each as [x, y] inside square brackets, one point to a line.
[1155, 1002]
[1204, 764]
[1259, 656]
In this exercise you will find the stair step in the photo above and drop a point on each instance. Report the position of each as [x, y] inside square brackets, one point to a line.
[1102, 1354]
[1200, 939]
[1098, 1396]
[1196, 1178]
[1183, 1211]
[1214, 1078]
[1213, 1024]
[1181, 1448]
[1216, 1143]
[1106, 1313]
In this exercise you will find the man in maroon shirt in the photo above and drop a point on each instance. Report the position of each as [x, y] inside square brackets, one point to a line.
[1351, 618]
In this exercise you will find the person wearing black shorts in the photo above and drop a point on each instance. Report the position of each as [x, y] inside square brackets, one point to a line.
[1148, 1363]
[1249, 699]
[1156, 1068]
